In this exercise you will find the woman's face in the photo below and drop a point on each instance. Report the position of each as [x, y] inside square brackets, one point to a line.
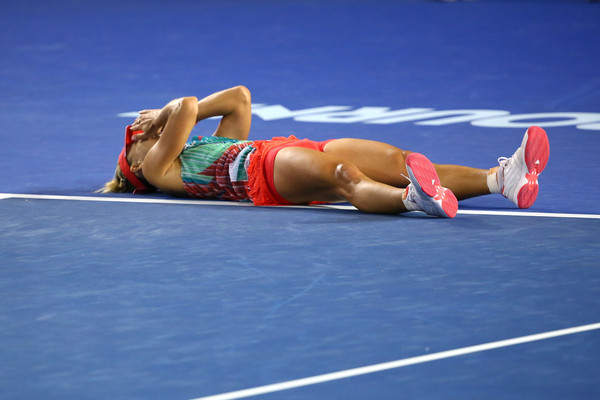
[138, 150]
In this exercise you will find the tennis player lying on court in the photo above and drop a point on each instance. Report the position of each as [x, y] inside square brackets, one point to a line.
[375, 177]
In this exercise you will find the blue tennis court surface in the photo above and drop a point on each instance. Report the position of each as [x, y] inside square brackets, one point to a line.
[123, 297]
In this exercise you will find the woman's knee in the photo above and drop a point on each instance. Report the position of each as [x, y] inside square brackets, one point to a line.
[347, 177]
[347, 173]
[404, 154]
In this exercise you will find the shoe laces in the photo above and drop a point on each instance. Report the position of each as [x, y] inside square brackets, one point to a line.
[410, 192]
[505, 167]
[504, 163]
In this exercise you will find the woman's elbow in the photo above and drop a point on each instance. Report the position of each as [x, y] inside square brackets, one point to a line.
[189, 103]
[244, 94]
[189, 100]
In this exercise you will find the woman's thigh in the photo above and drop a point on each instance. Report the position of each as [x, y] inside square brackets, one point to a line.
[379, 161]
[303, 175]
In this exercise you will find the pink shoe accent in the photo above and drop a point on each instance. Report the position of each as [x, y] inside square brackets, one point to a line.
[537, 152]
[528, 193]
[537, 149]
[449, 202]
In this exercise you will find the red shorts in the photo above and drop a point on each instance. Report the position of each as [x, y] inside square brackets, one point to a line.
[262, 167]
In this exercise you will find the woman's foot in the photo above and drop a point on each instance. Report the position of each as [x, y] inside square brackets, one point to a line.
[425, 193]
[517, 176]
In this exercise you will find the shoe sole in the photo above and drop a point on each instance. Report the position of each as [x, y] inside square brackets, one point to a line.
[425, 179]
[536, 153]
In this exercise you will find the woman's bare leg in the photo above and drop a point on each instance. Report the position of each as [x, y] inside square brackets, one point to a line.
[303, 175]
[465, 182]
[377, 160]
[385, 163]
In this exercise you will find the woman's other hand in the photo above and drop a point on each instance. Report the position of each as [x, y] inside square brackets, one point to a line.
[147, 122]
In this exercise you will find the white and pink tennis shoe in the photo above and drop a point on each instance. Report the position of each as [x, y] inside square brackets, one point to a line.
[425, 193]
[518, 175]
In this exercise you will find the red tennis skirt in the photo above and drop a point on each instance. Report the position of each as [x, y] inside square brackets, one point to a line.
[262, 165]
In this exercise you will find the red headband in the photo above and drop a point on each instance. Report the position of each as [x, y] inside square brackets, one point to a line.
[140, 187]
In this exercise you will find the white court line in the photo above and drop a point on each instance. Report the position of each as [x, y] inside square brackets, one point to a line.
[529, 214]
[248, 204]
[313, 380]
[142, 200]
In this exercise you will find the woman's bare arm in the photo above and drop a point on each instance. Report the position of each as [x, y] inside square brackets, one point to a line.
[234, 105]
[175, 121]
[180, 122]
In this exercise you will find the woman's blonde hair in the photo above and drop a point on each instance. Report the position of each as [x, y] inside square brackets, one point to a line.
[119, 184]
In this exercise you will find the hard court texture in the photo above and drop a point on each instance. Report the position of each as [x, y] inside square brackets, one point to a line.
[109, 297]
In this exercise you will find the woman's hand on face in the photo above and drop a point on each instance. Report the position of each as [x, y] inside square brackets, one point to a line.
[146, 122]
